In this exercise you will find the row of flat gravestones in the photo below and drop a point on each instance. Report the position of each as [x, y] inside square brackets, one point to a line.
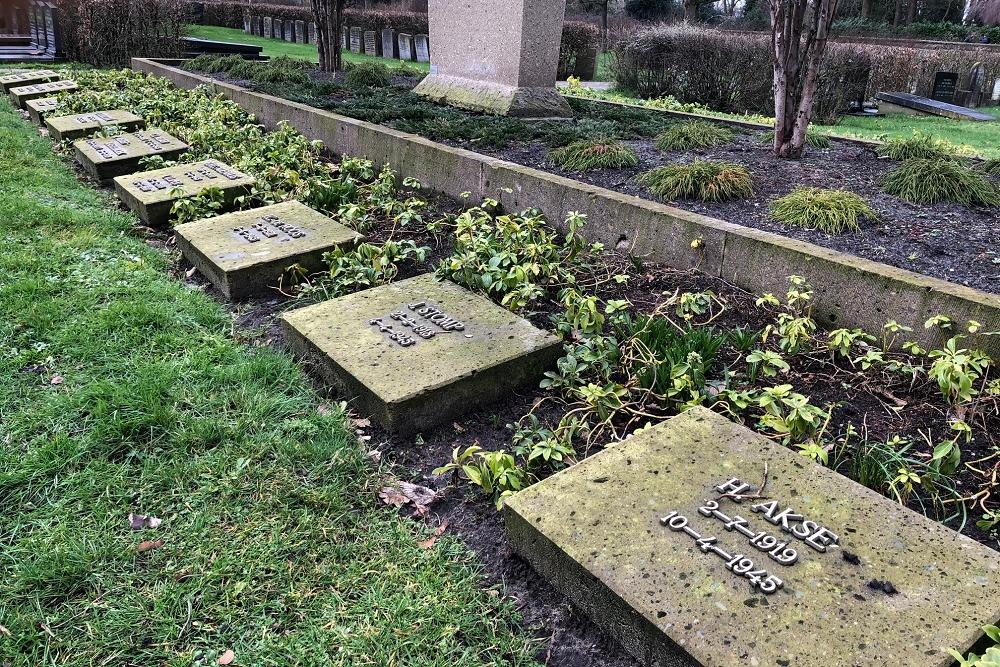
[693, 542]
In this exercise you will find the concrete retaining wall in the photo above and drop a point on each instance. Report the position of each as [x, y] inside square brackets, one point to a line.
[849, 291]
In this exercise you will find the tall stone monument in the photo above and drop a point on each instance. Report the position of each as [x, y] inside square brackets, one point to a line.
[497, 56]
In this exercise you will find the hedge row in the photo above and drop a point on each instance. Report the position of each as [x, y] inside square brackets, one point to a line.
[107, 33]
[732, 72]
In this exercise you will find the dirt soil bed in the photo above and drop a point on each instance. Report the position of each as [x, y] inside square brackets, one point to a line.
[949, 241]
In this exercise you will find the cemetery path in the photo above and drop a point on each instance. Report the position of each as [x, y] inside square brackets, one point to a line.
[168, 494]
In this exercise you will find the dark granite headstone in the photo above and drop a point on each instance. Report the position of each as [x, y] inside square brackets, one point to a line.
[945, 84]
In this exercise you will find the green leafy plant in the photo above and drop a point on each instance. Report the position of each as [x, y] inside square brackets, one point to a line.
[583, 313]
[707, 180]
[693, 134]
[368, 75]
[365, 265]
[789, 413]
[919, 145]
[831, 211]
[589, 154]
[991, 658]
[496, 473]
[205, 204]
[956, 370]
[770, 362]
[933, 180]
[280, 69]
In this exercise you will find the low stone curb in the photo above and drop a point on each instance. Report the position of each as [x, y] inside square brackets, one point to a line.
[849, 291]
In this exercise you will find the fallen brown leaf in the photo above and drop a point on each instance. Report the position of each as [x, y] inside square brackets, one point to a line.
[430, 542]
[227, 657]
[4, 631]
[140, 521]
[399, 493]
[361, 423]
[149, 545]
[56, 379]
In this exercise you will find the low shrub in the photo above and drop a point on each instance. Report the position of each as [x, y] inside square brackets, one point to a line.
[831, 211]
[594, 154]
[581, 41]
[368, 75]
[281, 69]
[707, 180]
[917, 146]
[933, 180]
[693, 134]
[813, 139]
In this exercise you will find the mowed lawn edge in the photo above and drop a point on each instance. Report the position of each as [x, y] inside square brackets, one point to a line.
[124, 392]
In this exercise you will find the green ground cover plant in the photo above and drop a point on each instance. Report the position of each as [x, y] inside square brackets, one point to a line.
[707, 180]
[919, 145]
[369, 75]
[126, 393]
[589, 154]
[832, 211]
[281, 69]
[693, 134]
[931, 180]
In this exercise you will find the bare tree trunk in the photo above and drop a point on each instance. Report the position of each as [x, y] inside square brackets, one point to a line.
[604, 25]
[691, 10]
[911, 14]
[866, 8]
[329, 17]
[897, 15]
[799, 33]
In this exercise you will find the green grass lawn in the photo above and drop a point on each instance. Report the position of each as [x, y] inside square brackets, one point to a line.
[124, 391]
[279, 47]
[982, 138]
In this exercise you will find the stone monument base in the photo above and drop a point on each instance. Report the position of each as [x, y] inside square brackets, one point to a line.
[494, 98]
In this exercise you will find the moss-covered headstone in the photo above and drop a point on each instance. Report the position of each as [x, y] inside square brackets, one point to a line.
[105, 158]
[418, 352]
[39, 107]
[700, 542]
[75, 126]
[21, 94]
[27, 79]
[246, 253]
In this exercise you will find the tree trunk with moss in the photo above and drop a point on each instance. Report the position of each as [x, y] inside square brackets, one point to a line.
[799, 33]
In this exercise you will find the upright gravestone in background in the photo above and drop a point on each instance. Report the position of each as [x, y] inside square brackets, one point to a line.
[311, 36]
[279, 31]
[497, 55]
[370, 47]
[700, 542]
[343, 38]
[355, 40]
[267, 26]
[405, 46]
[389, 49]
[419, 352]
[300, 32]
[421, 44]
[945, 84]
[289, 31]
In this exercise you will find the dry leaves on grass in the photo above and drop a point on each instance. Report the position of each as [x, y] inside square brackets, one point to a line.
[56, 380]
[149, 545]
[227, 657]
[432, 540]
[140, 521]
[398, 493]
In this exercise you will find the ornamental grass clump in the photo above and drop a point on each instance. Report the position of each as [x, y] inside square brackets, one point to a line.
[693, 134]
[368, 75]
[595, 154]
[707, 180]
[992, 167]
[918, 146]
[831, 211]
[933, 180]
[813, 140]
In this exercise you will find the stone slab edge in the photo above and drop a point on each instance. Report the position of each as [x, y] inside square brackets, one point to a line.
[850, 291]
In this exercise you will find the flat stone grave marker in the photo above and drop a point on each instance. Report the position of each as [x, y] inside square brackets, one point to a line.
[79, 125]
[389, 49]
[370, 46]
[246, 253]
[405, 46]
[419, 352]
[38, 107]
[21, 94]
[27, 79]
[106, 158]
[423, 48]
[355, 40]
[151, 194]
[671, 542]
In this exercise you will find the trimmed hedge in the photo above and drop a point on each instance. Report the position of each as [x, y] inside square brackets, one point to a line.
[578, 50]
[729, 71]
[107, 33]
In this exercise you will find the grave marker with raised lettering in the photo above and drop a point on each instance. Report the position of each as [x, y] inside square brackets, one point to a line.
[106, 158]
[422, 46]
[62, 128]
[371, 49]
[246, 253]
[418, 352]
[38, 107]
[700, 542]
[27, 79]
[151, 194]
[355, 40]
[21, 94]
[300, 32]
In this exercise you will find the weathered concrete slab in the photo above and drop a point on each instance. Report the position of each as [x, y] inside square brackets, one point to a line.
[106, 158]
[817, 571]
[75, 126]
[21, 94]
[419, 352]
[151, 194]
[246, 253]
[27, 79]
[38, 107]
[934, 107]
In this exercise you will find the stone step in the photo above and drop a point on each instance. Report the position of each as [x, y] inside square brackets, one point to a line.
[700, 542]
